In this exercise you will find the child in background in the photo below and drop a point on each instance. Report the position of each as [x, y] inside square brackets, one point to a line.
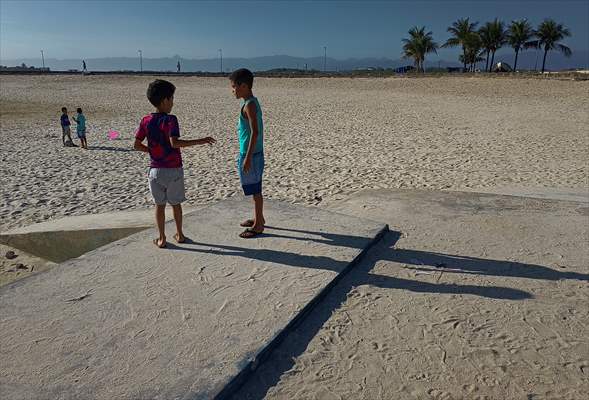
[81, 128]
[65, 126]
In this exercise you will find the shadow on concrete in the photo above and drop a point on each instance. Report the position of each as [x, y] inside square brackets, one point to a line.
[283, 357]
[423, 260]
[328, 263]
[437, 262]
[333, 239]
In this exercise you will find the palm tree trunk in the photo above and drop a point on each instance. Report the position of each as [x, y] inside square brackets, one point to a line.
[492, 60]
[464, 57]
[515, 62]
[544, 60]
[487, 64]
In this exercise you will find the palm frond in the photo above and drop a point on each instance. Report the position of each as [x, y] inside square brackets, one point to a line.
[452, 42]
[564, 49]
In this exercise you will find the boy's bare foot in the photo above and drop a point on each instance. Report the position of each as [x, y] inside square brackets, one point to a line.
[248, 223]
[250, 233]
[180, 238]
[161, 243]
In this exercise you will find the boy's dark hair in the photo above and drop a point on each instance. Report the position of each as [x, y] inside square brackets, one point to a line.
[63, 109]
[79, 110]
[159, 90]
[242, 75]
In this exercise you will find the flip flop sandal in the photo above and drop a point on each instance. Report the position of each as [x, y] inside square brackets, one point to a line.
[249, 233]
[155, 241]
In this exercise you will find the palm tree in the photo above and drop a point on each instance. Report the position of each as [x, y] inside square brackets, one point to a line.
[418, 45]
[549, 35]
[486, 42]
[460, 30]
[518, 34]
[474, 51]
[495, 38]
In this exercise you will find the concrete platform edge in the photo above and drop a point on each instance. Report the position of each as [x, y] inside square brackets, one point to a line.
[238, 380]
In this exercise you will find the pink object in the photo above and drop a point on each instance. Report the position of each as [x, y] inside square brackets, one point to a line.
[112, 135]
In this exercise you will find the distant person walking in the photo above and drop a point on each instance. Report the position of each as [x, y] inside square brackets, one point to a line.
[178, 65]
[81, 128]
[65, 127]
[84, 66]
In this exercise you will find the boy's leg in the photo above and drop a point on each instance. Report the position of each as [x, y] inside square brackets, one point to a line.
[159, 196]
[160, 219]
[259, 221]
[179, 236]
[251, 182]
[63, 135]
[67, 132]
[176, 195]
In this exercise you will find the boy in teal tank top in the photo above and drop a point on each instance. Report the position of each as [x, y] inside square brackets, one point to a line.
[250, 163]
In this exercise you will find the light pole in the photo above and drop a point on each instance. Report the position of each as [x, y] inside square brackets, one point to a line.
[140, 60]
[221, 59]
[324, 58]
[43, 59]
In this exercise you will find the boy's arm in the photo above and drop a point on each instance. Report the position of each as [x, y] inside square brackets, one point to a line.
[138, 145]
[177, 142]
[251, 114]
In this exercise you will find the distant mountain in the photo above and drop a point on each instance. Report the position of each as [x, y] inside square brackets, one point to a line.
[527, 60]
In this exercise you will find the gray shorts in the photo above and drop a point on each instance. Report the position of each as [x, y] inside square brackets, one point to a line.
[167, 185]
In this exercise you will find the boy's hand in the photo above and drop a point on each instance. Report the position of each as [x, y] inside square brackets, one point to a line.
[247, 165]
[208, 140]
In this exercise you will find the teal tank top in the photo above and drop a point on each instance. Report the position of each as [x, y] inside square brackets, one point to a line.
[243, 128]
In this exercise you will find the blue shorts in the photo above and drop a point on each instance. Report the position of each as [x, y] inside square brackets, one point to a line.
[81, 134]
[252, 181]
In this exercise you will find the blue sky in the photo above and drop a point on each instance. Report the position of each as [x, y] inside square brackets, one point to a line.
[191, 29]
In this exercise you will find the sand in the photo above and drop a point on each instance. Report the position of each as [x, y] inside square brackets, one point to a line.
[381, 336]
[325, 139]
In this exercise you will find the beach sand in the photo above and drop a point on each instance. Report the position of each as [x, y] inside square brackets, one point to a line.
[324, 139]
[380, 335]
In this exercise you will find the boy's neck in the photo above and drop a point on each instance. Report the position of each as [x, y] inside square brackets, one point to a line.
[157, 110]
[248, 95]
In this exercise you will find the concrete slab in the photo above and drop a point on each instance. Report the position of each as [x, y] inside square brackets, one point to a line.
[130, 321]
[548, 193]
[61, 239]
[469, 296]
